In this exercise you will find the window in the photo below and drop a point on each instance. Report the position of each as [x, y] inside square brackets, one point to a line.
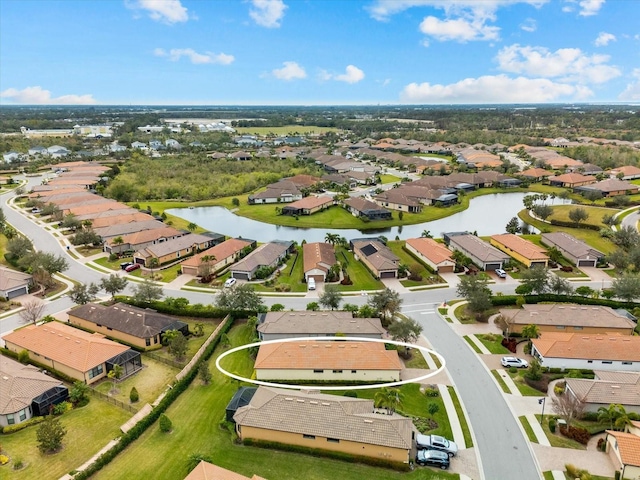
[333, 440]
[309, 437]
[577, 328]
[318, 371]
[607, 362]
[94, 372]
[627, 363]
[10, 419]
[23, 415]
[589, 361]
[147, 341]
[354, 371]
[109, 328]
[155, 339]
[337, 371]
[560, 327]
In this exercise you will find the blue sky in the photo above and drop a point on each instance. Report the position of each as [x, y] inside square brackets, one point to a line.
[318, 52]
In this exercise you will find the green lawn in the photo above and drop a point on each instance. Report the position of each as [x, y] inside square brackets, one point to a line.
[473, 345]
[500, 381]
[3, 250]
[416, 361]
[558, 440]
[292, 275]
[88, 430]
[428, 278]
[527, 428]
[561, 212]
[196, 416]
[358, 273]
[112, 265]
[526, 390]
[193, 342]
[387, 178]
[493, 342]
[466, 432]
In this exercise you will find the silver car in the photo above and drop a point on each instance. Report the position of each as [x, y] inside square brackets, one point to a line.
[514, 362]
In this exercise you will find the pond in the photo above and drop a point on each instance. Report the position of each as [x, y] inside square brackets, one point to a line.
[486, 215]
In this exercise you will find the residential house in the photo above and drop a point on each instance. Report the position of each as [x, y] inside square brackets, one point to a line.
[292, 324]
[284, 191]
[318, 258]
[268, 255]
[241, 155]
[327, 422]
[84, 356]
[433, 253]
[141, 328]
[536, 174]
[485, 256]
[37, 150]
[571, 180]
[173, 249]
[624, 450]
[26, 392]
[139, 146]
[122, 229]
[610, 188]
[524, 251]
[361, 207]
[13, 284]
[308, 205]
[139, 240]
[377, 257]
[327, 361]
[574, 250]
[566, 317]
[622, 388]
[397, 199]
[11, 157]
[479, 158]
[587, 351]
[172, 144]
[626, 172]
[220, 256]
[209, 471]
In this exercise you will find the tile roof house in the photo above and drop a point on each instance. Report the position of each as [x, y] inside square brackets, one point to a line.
[318, 258]
[327, 360]
[267, 255]
[624, 450]
[588, 351]
[139, 240]
[13, 284]
[629, 172]
[574, 250]
[610, 187]
[524, 251]
[308, 205]
[84, 356]
[377, 257]
[327, 422]
[361, 207]
[622, 388]
[223, 254]
[536, 174]
[567, 317]
[209, 471]
[173, 249]
[141, 327]
[122, 229]
[485, 256]
[26, 392]
[291, 324]
[571, 180]
[283, 191]
[433, 253]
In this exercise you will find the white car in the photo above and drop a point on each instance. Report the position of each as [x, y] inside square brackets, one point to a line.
[230, 282]
[514, 362]
[501, 273]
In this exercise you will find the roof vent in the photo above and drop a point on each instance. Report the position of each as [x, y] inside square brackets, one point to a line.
[299, 400]
[368, 421]
[326, 404]
[313, 402]
[289, 399]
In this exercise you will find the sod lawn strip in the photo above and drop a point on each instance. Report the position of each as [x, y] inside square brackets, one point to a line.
[466, 432]
[493, 342]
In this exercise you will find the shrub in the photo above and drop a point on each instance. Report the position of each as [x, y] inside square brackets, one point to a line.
[602, 444]
[23, 356]
[513, 370]
[21, 426]
[165, 424]
[572, 470]
[61, 408]
[552, 425]
[133, 395]
[432, 392]
[18, 464]
[580, 435]
[558, 389]
[4, 459]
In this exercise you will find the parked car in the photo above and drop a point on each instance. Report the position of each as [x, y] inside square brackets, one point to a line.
[124, 265]
[514, 362]
[229, 282]
[311, 284]
[433, 458]
[132, 267]
[501, 273]
[436, 442]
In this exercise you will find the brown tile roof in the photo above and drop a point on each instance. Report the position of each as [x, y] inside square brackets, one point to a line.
[568, 314]
[361, 204]
[434, 251]
[329, 416]
[327, 355]
[584, 346]
[536, 173]
[521, 246]
[573, 178]
[66, 345]
[96, 208]
[145, 236]
[324, 323]
[208, 471]
[303, 180]
[175, 245]
[221, 251]
[265, 255]
[57, 191]
[625, 390]
[318, 255]
[626, 170]
[134, 216]
[628, 447]
[20, 384]
[613, 185]
[378, 254]
[311, 201]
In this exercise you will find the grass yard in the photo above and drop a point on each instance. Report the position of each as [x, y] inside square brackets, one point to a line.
[527, 428]
[558, 440]
[561, 212]
[358, 273]
[3, 250]
[466, 432]
[193, 342]
[473, 345]
[88, 430]
[416, 361]
[112, 265]
[500, 381]
[493, 342]
[292, 275]
[196, 418]
[428, 278]
[150, 382]
[525, 390]
[387, 178]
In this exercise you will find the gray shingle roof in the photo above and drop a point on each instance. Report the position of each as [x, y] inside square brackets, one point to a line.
[329, 322]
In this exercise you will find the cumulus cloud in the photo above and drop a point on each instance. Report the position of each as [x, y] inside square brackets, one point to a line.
[40, 96]
[290, 71]
[459, 29]
[267, 13]
[590, 7]
[529, 25]
[352, 74]
[604, 39]
[194, 57]
[632, 92]
[166, 11]
[566, 64]
[494, 89]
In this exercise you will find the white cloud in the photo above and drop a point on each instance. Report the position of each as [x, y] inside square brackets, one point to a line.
[166, 11]
[590, 7]
[290, 71]
[352, 75]
[39, 96]
[493, 89]
[529, 25]
[383, 9]
[267, 13]
[196, 58]
[566, 64]
[632, 92]
[604, 38]
[458, 29]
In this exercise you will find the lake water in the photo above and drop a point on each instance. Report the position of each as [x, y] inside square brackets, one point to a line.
[487, 215]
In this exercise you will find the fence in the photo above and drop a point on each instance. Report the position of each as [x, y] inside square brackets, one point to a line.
[166, 361]
[113, 401]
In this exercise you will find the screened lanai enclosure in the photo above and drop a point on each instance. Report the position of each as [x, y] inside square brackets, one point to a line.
[42, 404]
[130, 361]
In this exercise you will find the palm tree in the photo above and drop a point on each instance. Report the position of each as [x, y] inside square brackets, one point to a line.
[388, 398]
[426, 234]
[611, 414]
[332, 238]
[153, 263]
[192, 226]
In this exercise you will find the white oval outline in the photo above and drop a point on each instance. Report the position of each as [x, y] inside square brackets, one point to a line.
[443, 363]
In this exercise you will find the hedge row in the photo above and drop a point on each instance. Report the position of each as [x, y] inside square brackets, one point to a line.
[317, 452]
[503, 300]
[146, 422]
[20, 426]
[54, 373]
[586, 226]
[578, 434]
[196, 310]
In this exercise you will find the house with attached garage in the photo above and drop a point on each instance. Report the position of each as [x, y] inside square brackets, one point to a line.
[13, 284]
[173, 249]
[361, 207]
[624, 450]
[284, 191]
[308, 205]
[139, 240]
[524, 251]
[140, 327]
[621, 388]
[377, 257]
[219, 256]
[485, 256]
[327, 422]
[587, 351]
[268, 255]
[318, 258]
[292, 324]
[433, 253]
[574, 250]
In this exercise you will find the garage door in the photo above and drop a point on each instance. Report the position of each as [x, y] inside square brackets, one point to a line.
[586, 263]
[17, 293]
[317, 278]
[489, 267]
[240, 275]
[448, 269]
[391, 274]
